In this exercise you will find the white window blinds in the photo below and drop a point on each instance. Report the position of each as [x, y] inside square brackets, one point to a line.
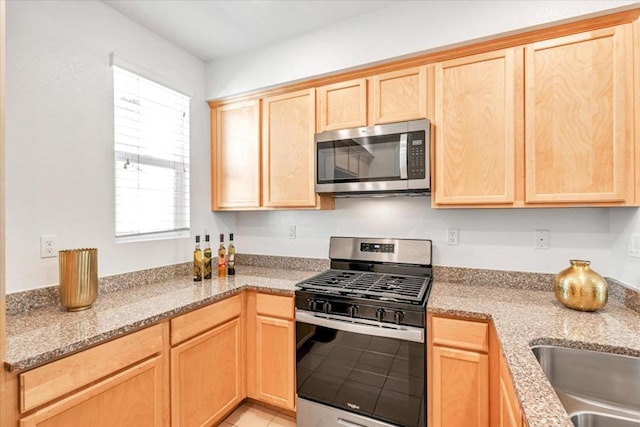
[151, 146]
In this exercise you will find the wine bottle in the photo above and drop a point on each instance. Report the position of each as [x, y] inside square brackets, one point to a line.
[231, 257]
[222, 258]
[207, 257]
[197, 261]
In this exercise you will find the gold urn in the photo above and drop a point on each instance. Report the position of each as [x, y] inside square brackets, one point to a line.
[581, 288]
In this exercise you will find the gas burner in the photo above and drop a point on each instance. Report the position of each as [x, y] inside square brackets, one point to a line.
[372, 285]
[367, 283]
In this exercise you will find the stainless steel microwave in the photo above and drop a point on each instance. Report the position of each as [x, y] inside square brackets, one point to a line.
[376, 160]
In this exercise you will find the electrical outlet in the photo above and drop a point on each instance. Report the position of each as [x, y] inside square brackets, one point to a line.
[541, 239]
[48, 246]
[292, 232]
[452, 237]
[634, 246]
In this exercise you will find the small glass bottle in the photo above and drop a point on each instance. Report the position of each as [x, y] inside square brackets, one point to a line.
[231, 257]
[222, 258]
[207, 257]
[197, 261]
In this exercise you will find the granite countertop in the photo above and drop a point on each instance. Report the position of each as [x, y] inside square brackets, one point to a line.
[40, 336]
[523, 318]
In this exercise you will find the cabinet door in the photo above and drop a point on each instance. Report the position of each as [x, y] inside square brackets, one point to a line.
[235, 155]
[275, 361]
[510, 414]
[399, 95]
[288, 150]
[206, 376]
[578, 109]
[342, 105]
[460, 388]
[130, 398]
[475, 123]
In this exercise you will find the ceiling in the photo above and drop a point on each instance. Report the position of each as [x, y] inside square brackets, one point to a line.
[212, 29]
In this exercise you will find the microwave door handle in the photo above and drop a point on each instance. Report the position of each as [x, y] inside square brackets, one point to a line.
[402, 158]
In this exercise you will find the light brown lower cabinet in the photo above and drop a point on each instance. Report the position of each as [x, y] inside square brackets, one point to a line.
[130, 398]
[510, 412]
[459, 374]
[207, 367]
[469, 383]
[193, 370]
[271, 349]
[119, 383]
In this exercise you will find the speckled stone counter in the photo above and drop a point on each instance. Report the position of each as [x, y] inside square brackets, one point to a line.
[39, 336]
[527, 317]
[522, 306]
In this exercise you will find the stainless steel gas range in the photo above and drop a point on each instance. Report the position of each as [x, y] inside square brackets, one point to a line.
[360, 334]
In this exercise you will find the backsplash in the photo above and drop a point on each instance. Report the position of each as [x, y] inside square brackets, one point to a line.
[32, 299]
[20, 302]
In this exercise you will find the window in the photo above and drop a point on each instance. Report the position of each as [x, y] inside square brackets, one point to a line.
[151, 143]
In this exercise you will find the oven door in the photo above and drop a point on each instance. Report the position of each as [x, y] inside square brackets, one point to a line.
[359, 373]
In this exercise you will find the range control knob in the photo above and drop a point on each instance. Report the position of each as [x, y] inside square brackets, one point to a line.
[313, 304]
[380, 314]
[326, 307]
[352, 310]
[398, 316]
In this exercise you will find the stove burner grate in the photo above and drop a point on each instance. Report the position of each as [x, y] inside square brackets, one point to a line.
[373, 285]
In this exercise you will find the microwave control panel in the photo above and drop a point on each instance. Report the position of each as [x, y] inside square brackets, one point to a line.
[417, 157]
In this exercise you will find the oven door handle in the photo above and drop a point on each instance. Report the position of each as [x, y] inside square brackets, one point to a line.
[348, 423]
[405, 333]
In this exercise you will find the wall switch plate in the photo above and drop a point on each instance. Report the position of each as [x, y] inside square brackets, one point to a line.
[452, 237]
[634, 246]
[292, 232]
[48, 246]
[541, 239]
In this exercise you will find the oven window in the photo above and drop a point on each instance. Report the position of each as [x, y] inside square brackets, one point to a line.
[378, 377]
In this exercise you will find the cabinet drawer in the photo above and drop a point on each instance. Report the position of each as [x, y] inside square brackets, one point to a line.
[58, 378]
[275, 305]
[191, 324]
[460, 333]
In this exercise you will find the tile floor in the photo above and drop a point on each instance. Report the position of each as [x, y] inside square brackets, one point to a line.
[251, 414]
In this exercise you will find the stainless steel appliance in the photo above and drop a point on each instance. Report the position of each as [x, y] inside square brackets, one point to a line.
[360, 335]
[383, 159]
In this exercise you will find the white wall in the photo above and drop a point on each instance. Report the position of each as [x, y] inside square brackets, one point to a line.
[624, 224]
[406, 28]
[59, 146]
[500, 239]
[59, 137]
[488, 238]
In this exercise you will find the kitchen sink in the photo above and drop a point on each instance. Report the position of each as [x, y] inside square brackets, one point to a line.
[589, 419]
[597, 389]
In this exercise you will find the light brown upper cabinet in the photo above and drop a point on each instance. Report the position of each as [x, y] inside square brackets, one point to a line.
[475, 128]
[579, 116]
[549, 123]
[288, 126]
[262, 154]
[399, 95]
[235, 155]
[342, 105]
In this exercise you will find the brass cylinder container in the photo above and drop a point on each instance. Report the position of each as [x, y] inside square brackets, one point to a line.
[78, 278]
[581, 288]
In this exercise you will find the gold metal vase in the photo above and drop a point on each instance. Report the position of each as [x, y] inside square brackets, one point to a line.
[78, 270]
[581, 288]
